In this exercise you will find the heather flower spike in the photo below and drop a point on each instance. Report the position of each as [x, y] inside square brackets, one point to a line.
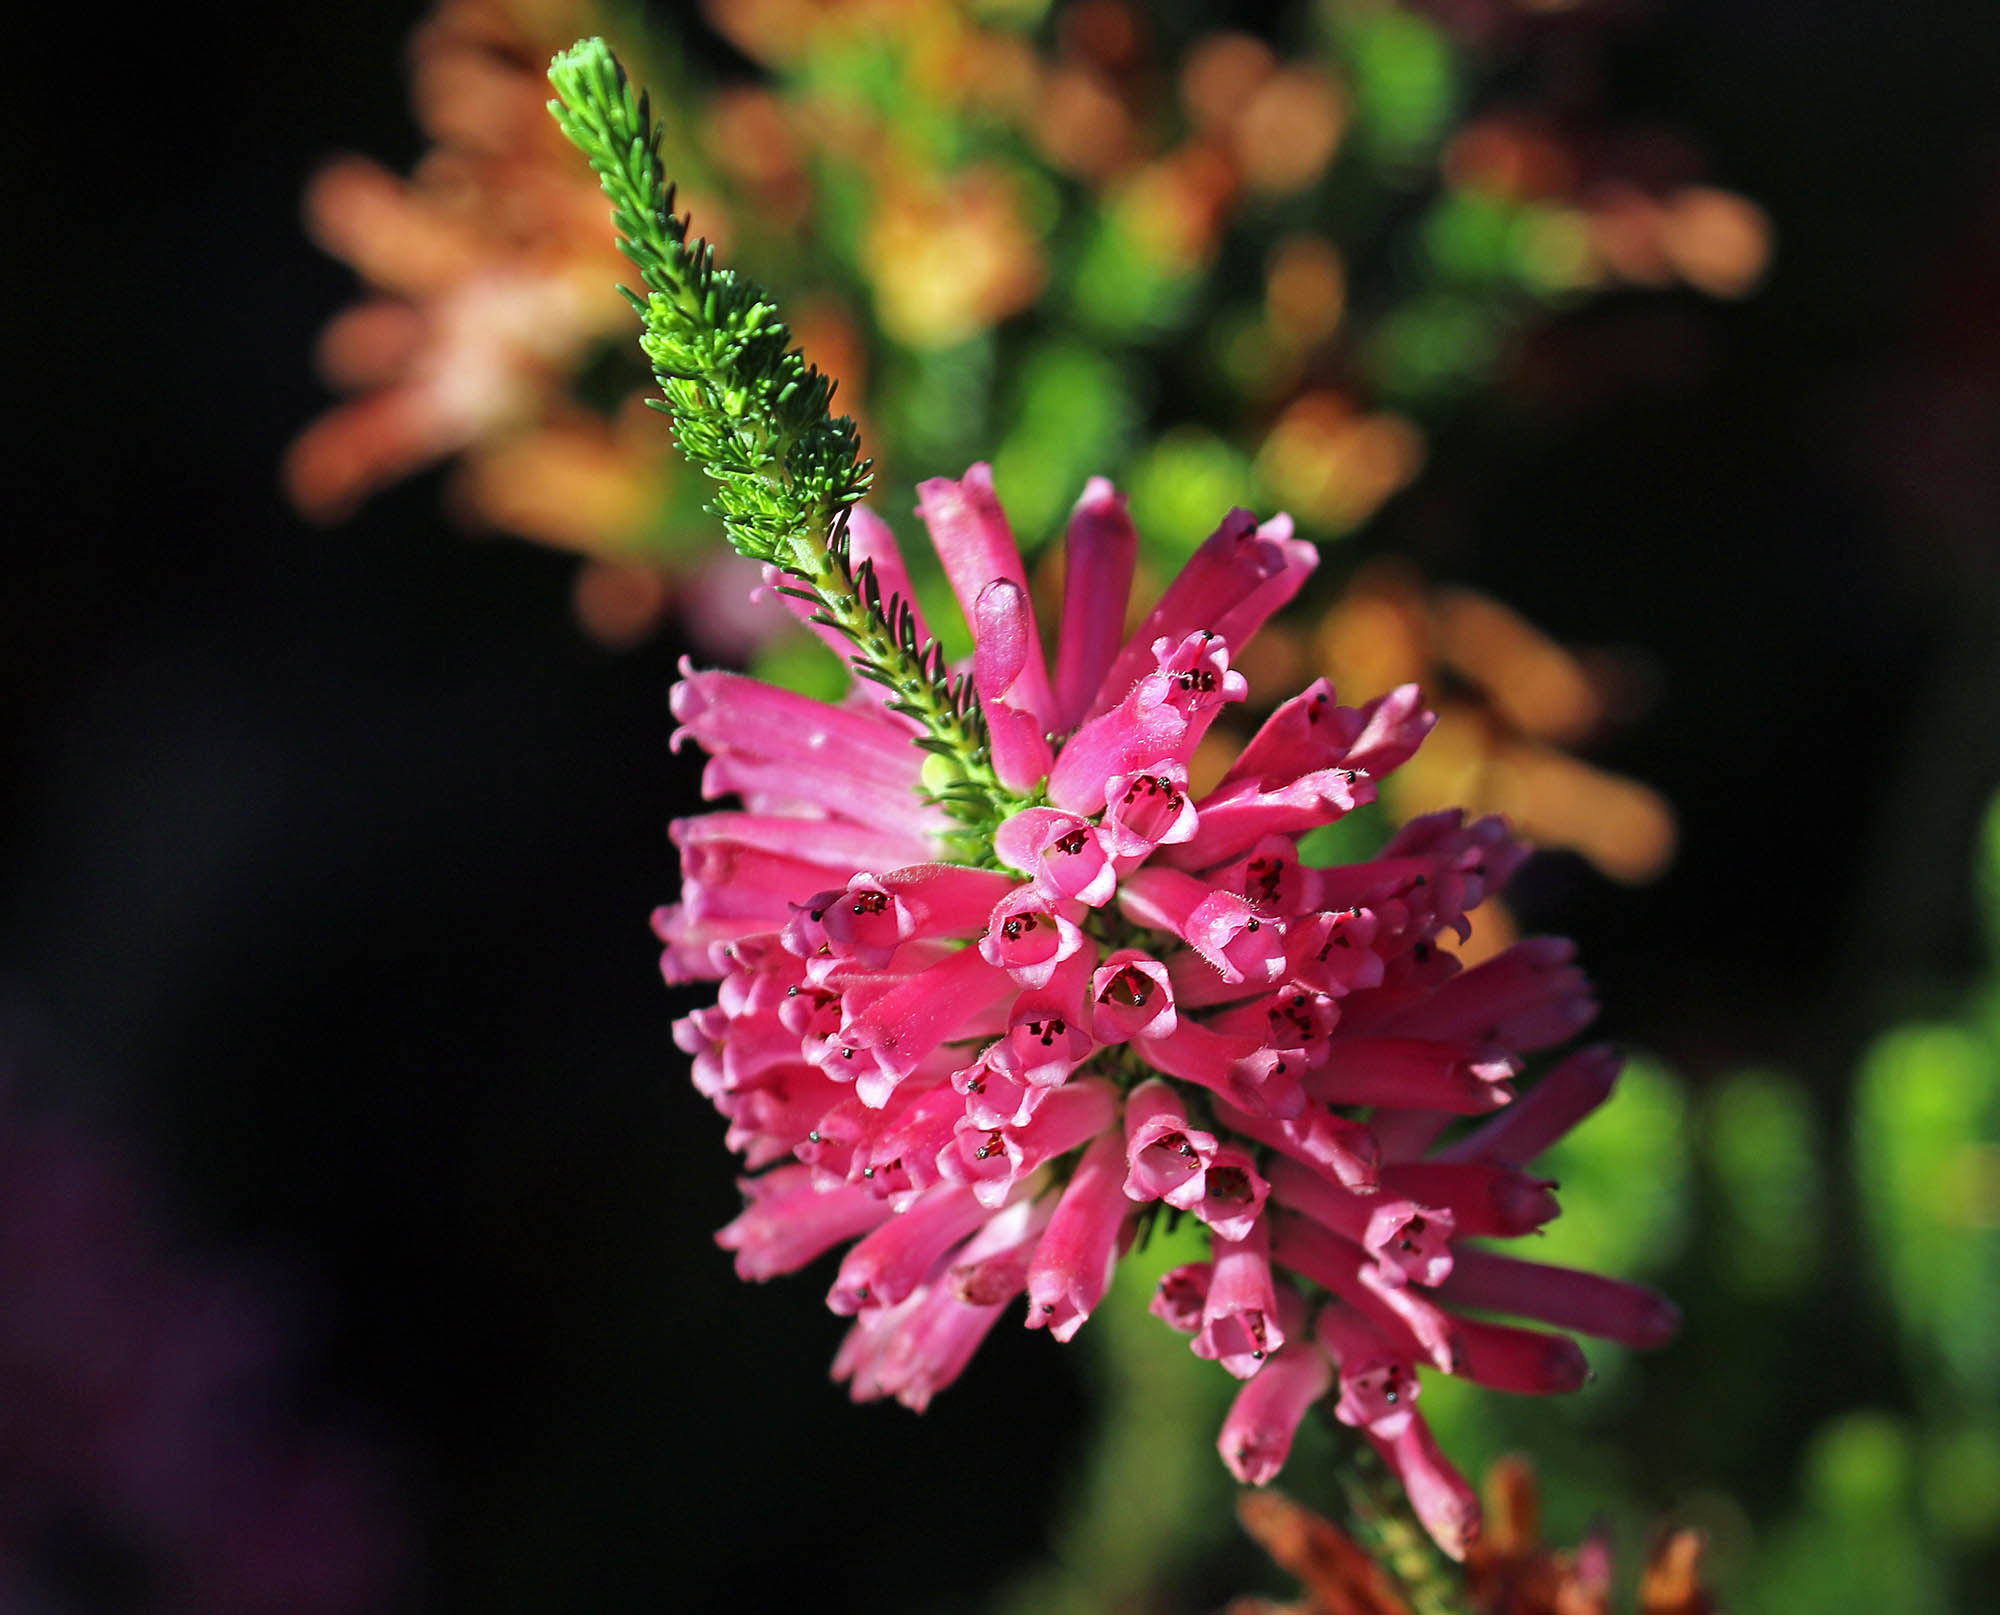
[998, 988]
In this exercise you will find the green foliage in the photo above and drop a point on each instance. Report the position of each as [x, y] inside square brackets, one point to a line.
[1927, 1139]
[1760, 1140]
[749, 411]
[1152, 1499]
[1183, 485]
[1405, 75]
[1625, 1177]
[1073, 413]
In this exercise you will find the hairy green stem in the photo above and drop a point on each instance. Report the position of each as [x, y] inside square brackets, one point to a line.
[1385, 1524]
[757, 420]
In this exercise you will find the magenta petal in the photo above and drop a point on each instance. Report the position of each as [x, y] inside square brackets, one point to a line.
[1072, 1266]
[1589, 1303]
[1003, 634]
[788, 1221]
[1438, 1492]
[977, 548]
[1378, 1382]
[1221, 577]
[890, 1262]
[1101, 550]
[1256, 1436]
[1130, 997]
[1545, 1113]
[1239, 1323]
[1182, 1295]
[1165, 1157]
[1524, 1361]
[1064, 854]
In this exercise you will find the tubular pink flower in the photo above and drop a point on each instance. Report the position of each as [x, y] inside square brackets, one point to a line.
[1257, 1432]
[1165, 1158]
[1029, 937]
[1589, 1303]
[1524, 1361]
[1570, 1092]
[1233, 1193]
[1378, 1382]
[1399, 1310]
[928, 1347]
[890, 1262]
[1239, 1320]
[788, 1222]
[1240, 1070]
[1220, 580]
[1483, 1202]
[993, 1159]
[882, 1044]
[992, 1266]
[1148, 1000]
[1146, 811]
[1064, 854]
[1002, 627]
[1223, 928]
[1072, 1266]
[977, 548]
[1131, 997]
[1460, 1079]
[1181, 1296]
[1438, 1492]
[1046, 1036]
[1409, 1242]
[1340, 1150]
[727, 713]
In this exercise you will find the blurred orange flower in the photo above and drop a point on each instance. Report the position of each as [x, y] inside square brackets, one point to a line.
[1508, 1570]
[1509, 701]
[490, 276]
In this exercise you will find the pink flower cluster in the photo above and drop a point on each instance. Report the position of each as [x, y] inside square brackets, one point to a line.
[984, 1077]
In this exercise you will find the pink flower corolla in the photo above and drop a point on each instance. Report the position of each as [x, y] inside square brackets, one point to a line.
[984, 1081]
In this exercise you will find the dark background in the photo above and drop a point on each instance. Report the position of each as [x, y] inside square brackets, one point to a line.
[325, 856]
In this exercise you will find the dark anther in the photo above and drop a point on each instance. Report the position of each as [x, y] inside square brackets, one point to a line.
[1228, 1183]
[1130, 989]
[1073, 843]
[871, 902]
[1254, 925]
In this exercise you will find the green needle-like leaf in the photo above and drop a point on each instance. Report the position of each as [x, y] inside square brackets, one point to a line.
[755, 418]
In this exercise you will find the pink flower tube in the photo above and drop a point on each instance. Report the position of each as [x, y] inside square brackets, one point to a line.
[982, 1062]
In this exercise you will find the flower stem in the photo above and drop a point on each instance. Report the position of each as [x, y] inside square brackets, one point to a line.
[960, 775]
[1386, 1525]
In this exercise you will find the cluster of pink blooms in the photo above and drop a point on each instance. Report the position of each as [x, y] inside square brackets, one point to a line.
[985, 1077]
